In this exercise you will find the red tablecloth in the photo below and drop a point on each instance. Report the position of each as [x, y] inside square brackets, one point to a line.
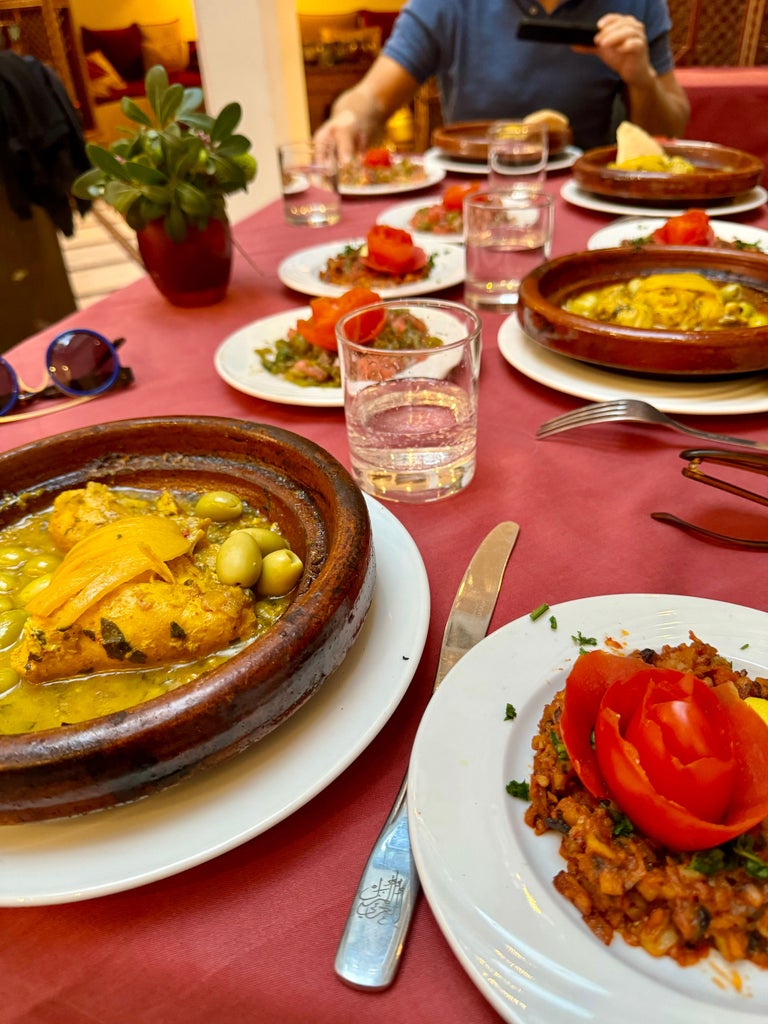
[252, 934]
[728, 106]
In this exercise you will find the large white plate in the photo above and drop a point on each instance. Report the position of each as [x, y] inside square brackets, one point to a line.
[434, 174]
[488, 877]
[557, 162]
[399, 216]
[629, 228]
[577, 196]
[202, 817]
[236, 363]
[302, 270]
[728, 397]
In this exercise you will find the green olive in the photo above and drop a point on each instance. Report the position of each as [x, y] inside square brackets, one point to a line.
[11, 625]
[238, 561]
[8, 679]
[41, 563]
[758, 320]
[220, 506]
[730, 292]
[12, 556]
[34, 586]
[280, 572]
[267, 540]
[8, 582]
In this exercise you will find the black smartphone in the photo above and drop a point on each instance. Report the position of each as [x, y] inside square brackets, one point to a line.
[554, 30]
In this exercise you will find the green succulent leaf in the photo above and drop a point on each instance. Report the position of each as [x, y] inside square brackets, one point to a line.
[89, 185]
[134, 112]
[156, 86]
[105, 161]
[193, 98]
[170, 103]
[121, 196]
[192, 201]
[235, 145]
[226, 122]
[175, 224]
[145, 174]
[200, 121]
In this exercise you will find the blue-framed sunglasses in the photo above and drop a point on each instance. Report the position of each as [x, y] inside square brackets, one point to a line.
[80, 363]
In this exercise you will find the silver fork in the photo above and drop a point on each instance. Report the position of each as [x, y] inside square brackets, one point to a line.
[634, 410]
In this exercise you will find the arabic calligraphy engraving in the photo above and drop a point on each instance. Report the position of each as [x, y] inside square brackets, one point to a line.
[382, 899]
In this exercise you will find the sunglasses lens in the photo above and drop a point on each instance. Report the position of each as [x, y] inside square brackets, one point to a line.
[83, 363]
[9, 388]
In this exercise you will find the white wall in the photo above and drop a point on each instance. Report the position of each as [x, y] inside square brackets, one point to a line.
[250, 51]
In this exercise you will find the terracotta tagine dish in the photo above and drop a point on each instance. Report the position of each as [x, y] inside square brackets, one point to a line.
[741, 277]
[172, 471]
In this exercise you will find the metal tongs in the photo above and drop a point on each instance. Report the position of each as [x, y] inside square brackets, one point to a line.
[752, 462]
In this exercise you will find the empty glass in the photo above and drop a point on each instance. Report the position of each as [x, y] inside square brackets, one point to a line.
[309, 177]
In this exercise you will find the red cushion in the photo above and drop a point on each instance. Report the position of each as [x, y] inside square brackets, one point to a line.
[384, 20]
[121, 47]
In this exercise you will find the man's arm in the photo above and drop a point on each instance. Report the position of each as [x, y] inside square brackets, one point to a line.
[359, 114]
[655, 102]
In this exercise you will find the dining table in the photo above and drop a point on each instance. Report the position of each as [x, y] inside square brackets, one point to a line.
[250, 934]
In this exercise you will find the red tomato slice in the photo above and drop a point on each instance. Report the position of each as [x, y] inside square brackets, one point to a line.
[689, 228]
[391, 251]
[589, 678]
[377, 158]
[366, 326]
[326, 312]
[454, 195]
[681, 736]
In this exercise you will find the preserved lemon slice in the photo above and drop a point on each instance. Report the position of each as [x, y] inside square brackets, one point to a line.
[109, 556]
[687, 281]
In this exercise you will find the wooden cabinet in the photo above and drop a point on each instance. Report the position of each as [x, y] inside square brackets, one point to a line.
[326, 82]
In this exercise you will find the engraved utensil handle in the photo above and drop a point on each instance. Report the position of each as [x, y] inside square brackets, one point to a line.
[370, 947]
[369, 951]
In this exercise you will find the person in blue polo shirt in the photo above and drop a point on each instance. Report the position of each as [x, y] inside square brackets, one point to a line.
[484, 71]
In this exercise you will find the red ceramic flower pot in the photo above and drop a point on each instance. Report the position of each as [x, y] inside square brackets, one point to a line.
[194, 272]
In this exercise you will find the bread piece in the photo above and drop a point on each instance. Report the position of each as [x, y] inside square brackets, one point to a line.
[553, 119]
[633, 142]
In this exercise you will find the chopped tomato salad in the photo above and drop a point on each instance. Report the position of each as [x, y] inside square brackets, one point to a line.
[447, 216]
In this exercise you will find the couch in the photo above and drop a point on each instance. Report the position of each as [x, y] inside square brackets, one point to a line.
[118, 58]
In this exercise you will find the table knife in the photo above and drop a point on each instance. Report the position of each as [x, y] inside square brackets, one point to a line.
[369, 951]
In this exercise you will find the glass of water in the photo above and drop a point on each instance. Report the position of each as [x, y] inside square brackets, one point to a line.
[517, 153]
[309, 179]
[409, 371]
[507, 234]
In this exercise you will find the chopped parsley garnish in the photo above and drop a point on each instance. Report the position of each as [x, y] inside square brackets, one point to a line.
[510, 713]
[583, 641]
[622, 826]
[739, 853]
[557, 743]
[521, 790]
[552, 622]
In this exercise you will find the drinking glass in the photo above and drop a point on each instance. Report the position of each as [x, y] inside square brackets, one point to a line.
[309, 177]
[507, 233]
[517, 153]
[411, 412]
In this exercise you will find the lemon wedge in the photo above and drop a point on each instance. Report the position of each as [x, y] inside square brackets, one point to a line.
[760, 705]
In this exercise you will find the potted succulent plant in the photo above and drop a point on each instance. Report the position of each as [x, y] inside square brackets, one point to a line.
[169, 179]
